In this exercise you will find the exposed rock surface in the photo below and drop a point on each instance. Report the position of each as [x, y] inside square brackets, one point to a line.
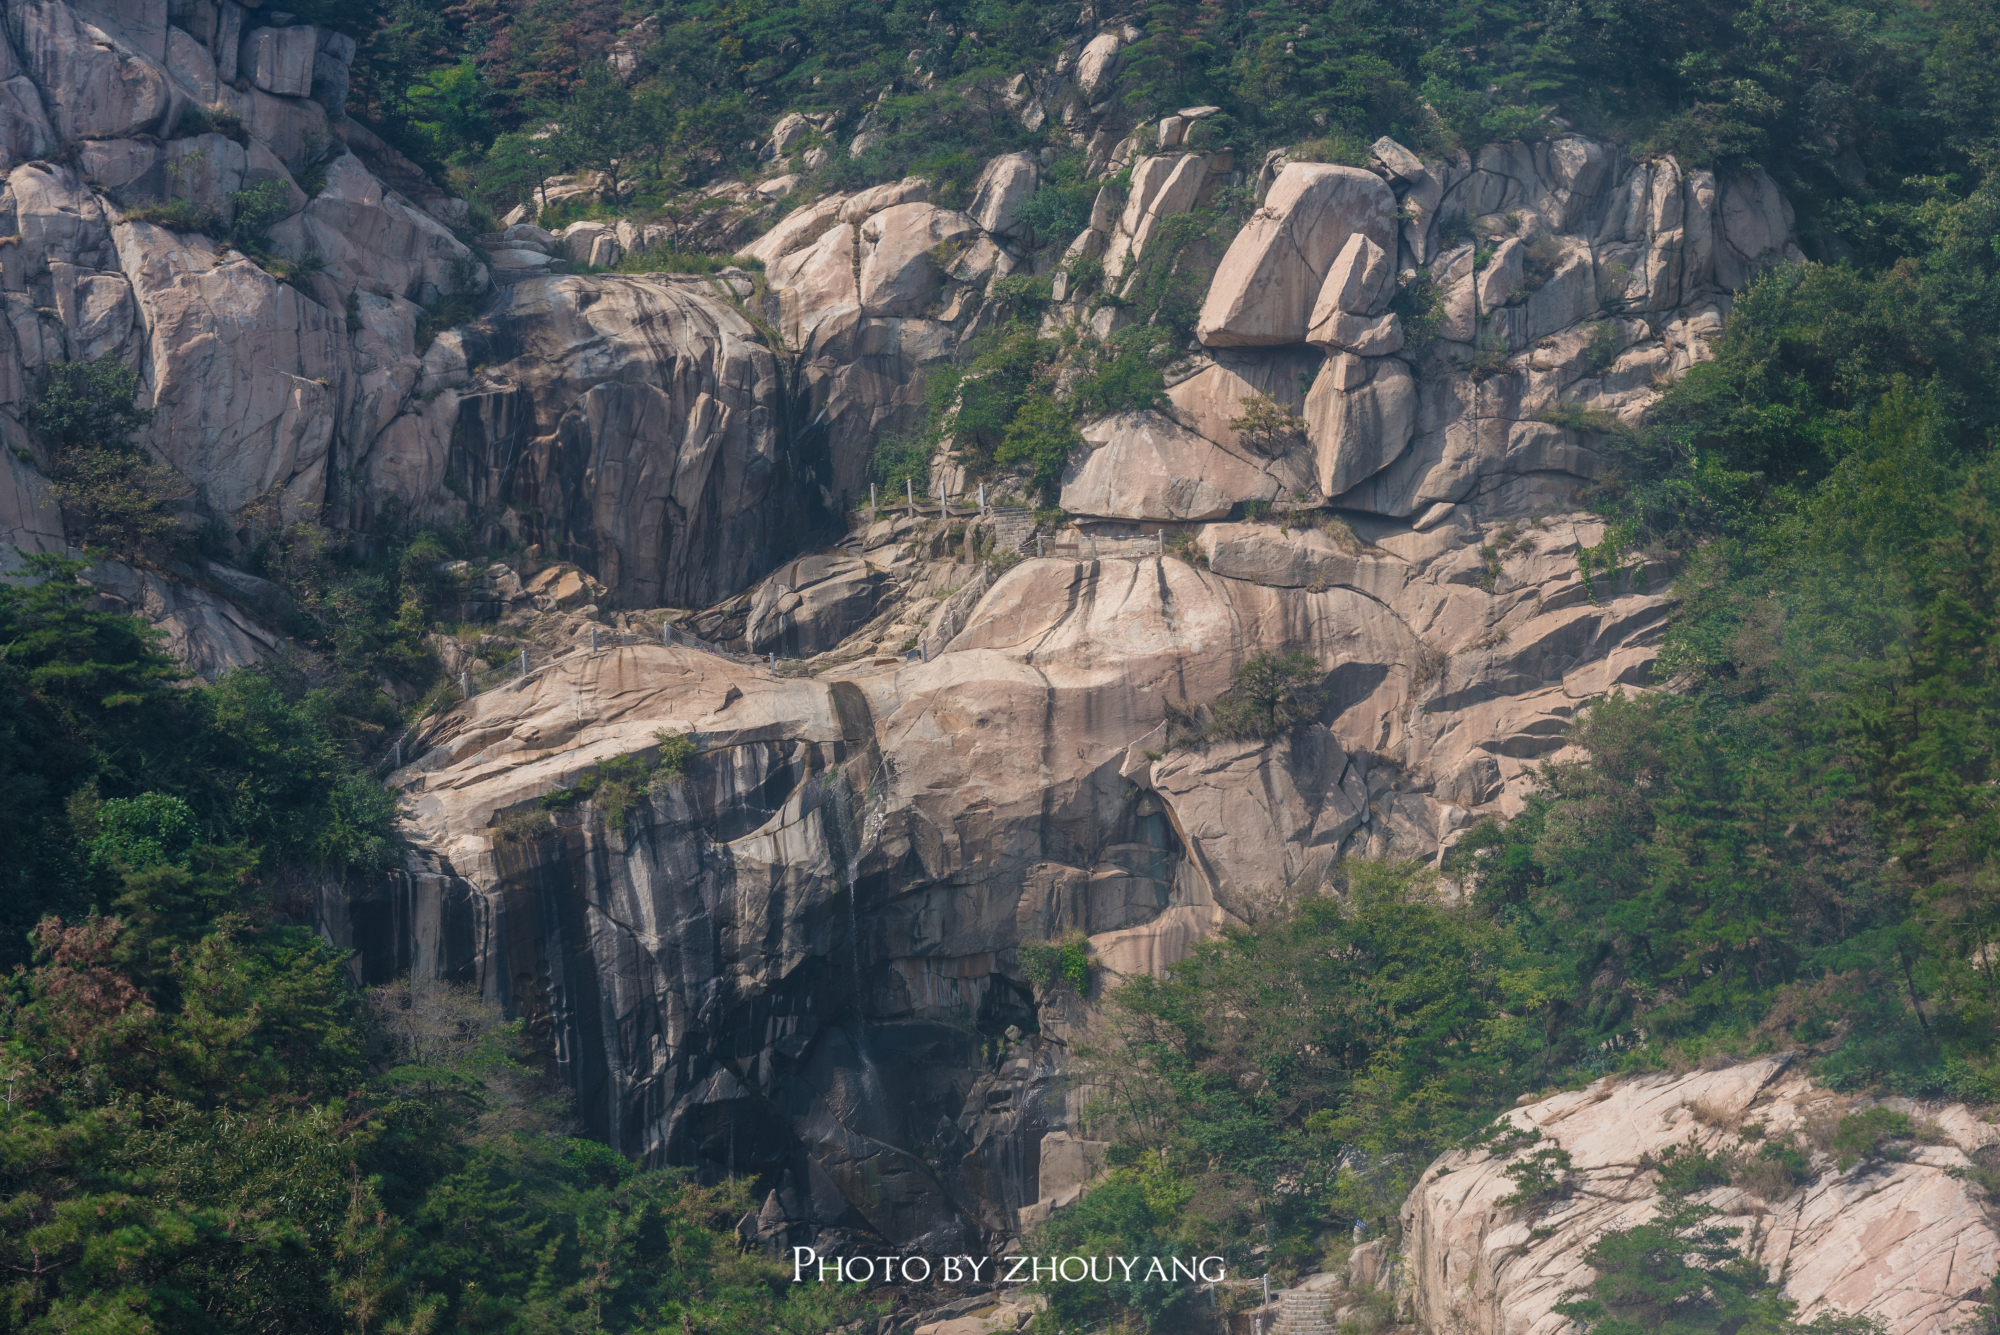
[1900, 1239]
[1270, 279]
[857, 856]
[813, 937]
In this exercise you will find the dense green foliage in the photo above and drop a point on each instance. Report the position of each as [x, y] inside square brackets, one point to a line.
[1798, 846]
[1862, 113]
[208, 1126]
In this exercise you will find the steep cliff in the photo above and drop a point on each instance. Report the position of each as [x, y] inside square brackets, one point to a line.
[800, 961]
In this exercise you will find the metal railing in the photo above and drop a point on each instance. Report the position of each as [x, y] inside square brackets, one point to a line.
[1086, 547]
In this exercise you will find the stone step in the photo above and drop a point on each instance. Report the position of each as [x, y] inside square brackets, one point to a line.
[1012, 526]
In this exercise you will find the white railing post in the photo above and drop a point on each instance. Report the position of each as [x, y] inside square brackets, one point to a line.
[465, 684]
[910, 496]
[524, 662]
[871, 503]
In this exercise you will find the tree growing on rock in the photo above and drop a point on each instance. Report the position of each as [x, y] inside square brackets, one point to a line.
[1273, 694]
[1268, 426]
[114, 497]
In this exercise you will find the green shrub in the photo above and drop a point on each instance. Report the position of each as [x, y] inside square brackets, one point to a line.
[1601, 347]
[1064, 962]
[1272, 694]
[1773, 1173]
[1860, 1136]
[1687, 1168]
[896, 459]
[1124, 375]
[1041, 439]
[1541, 1177]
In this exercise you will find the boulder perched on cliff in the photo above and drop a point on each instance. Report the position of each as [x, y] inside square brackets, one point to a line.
[1270, 279]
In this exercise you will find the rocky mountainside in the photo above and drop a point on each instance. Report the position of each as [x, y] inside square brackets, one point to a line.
[1898, 1235]
[801, 961]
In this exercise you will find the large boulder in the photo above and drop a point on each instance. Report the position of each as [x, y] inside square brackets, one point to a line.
[1097, 66]
[1360, 417]
[1162, 185]
[1008, 182]
[1904, 1240]
[818, 300]
[1147, 467]
[246, 374]
[1271, 276]
[99, 84]
[812, 604]
[372, 239]
[280, 60]
[900, 250]
[1214, 396]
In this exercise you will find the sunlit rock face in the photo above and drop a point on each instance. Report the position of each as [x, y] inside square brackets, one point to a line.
[1905, 1240]
[801, 962]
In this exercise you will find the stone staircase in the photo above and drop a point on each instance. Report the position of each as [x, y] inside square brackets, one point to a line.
[1303, 1310]
[1012, 526]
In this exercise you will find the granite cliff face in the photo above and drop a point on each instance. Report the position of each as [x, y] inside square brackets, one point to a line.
[1902, 1237]
[800, 961]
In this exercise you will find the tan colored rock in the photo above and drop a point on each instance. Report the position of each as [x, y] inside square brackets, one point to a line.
[1903, 1242]
[789, 133]
[798, 229]
[1162, 186]
[246, 375]
[1358, 283]
[1266, 814]
[858, 208]
[1399, 160]
[1300, 558]
[1209, 400]
[1454, 277]
[371, 238]
[1144, 466]
[1501, 278]
[1365, 337]
[899, 271]
[818, 302]
[1359, 429]
[636, 419]
[1007, 183]
[1097, 65]
[105, 87]
[1270, 278]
